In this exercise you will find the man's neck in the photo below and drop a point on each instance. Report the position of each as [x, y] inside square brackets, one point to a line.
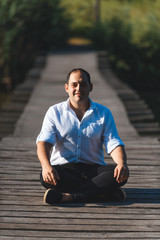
[80, 108]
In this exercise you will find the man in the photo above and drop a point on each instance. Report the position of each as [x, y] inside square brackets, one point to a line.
[75, 131]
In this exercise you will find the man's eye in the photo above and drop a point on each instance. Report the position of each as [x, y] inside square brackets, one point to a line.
[83, 84]
[74, 84]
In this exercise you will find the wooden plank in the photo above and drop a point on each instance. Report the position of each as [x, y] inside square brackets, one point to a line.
[81, 234]
[79, 215]
[131, 209]
[129, 202]
[80, 227]
[79, 223]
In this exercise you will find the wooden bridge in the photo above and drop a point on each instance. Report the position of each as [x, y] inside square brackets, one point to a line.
[22, 211]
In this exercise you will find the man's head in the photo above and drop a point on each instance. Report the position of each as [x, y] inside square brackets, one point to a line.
[78, 85]
[82, 71]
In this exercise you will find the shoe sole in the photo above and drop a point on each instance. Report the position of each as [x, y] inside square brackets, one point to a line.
[45, 195]
[124, 194]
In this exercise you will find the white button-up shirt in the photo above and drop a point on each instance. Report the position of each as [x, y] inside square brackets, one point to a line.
[79, 141]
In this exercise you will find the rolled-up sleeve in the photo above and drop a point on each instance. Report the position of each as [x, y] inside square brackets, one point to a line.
[48, 131]
[110, 136]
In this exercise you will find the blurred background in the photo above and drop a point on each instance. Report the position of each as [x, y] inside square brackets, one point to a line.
[128, 30]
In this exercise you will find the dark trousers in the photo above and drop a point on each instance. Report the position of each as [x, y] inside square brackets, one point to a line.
[89, 180]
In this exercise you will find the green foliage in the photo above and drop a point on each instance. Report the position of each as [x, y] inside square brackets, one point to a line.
[26, 27]
[130, 32]
[82, 14]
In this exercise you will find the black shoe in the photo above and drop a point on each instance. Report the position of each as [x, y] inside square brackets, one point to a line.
[78, 197]
[117, 195]
[51, 196]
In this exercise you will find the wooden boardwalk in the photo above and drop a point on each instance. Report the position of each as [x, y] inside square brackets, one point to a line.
[22, 211]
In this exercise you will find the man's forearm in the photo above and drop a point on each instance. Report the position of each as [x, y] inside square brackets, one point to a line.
[43, 152]
[119, 155]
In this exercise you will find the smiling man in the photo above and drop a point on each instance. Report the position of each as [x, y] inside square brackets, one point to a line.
[70, 148]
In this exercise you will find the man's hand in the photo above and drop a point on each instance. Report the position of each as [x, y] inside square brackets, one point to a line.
[121, 173]
[50, 175]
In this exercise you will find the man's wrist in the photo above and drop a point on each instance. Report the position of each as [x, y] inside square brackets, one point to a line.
[46, 165]
[123, 164]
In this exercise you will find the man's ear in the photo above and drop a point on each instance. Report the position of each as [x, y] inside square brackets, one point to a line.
[91, 87]
[66, 87]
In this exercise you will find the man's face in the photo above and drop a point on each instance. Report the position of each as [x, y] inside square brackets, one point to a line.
[78, 87]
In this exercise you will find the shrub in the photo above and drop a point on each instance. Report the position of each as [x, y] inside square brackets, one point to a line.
[131, 36]
[26, 27]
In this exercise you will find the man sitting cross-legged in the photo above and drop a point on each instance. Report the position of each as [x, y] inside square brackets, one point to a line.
[70, 148]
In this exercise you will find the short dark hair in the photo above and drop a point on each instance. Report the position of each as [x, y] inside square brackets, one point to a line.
[77, 70]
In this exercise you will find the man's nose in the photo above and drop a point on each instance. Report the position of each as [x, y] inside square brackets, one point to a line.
[78, 86]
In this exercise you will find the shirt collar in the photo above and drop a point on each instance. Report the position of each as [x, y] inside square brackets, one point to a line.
[67, 105]
[92, 105]
[91, 108]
